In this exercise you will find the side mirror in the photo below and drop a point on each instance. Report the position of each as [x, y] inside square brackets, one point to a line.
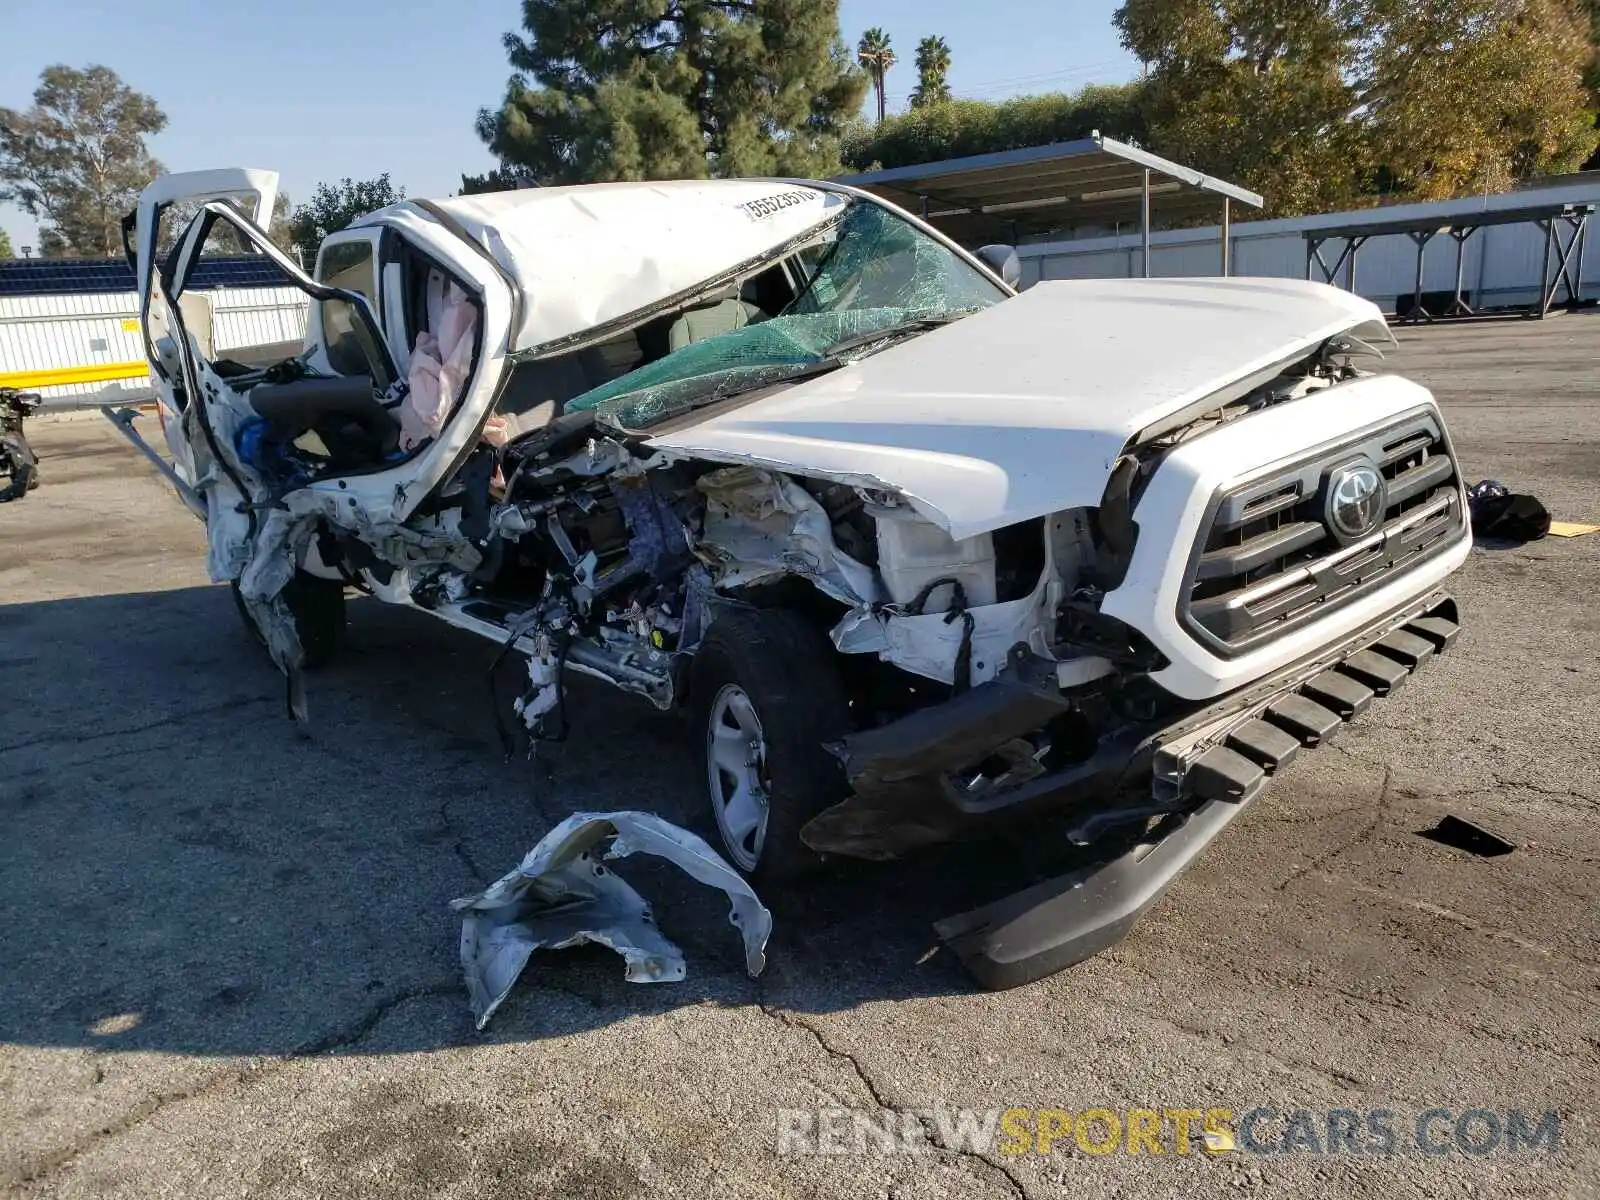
[1003, 261]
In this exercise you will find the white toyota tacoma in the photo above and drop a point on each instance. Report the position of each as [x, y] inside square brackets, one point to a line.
[923, 557]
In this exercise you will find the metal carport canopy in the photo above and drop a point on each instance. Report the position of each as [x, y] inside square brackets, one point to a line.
[1093, 181]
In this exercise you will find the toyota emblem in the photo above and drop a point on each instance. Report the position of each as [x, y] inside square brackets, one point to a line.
[1355, 501]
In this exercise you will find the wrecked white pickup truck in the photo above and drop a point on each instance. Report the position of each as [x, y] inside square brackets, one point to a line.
[924, 557]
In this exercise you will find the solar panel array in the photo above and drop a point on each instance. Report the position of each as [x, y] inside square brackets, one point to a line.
[78, 276]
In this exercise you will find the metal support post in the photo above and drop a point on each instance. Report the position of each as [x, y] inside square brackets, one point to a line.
[1227, 236]
[1418, 312]
[1458, 306]
[1144, 221]
[1569, 274]
[1548, 224]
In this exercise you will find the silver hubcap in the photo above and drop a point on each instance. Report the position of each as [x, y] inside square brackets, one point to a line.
[736, 767]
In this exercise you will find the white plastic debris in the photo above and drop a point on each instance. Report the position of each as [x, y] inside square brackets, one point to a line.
[544, 685]
[563, 895]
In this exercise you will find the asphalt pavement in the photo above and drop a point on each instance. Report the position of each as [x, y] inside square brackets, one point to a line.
[228, 966]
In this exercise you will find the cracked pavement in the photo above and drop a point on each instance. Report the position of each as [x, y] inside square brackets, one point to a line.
[229, 966]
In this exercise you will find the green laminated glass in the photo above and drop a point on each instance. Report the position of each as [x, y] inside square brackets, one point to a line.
[871, 273]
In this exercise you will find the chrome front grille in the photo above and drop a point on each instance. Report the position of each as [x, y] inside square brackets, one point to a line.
[1269, 559]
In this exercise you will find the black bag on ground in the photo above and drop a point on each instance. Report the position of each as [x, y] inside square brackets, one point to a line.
[1511, 516]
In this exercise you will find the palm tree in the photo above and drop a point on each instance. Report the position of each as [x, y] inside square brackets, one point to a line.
[933, 72]
[874, 53]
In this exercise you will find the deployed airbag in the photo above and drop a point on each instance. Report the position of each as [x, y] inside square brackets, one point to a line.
[440, 364]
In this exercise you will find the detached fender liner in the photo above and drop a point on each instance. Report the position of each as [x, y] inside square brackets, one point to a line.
[1053, 924]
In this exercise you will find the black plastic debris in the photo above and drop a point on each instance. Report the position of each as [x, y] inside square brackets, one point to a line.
[1498, 512]
[1464, 835]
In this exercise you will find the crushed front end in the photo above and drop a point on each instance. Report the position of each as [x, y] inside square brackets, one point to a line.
[1229, 604]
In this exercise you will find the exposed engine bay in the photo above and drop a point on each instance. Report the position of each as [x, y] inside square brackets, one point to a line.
[598, 554]
[614, 563]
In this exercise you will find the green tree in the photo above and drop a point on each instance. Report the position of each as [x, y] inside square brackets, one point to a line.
[961, 127]
[1472, 95]
[1257, 91]
[280, 228]
[876, 55]
[1589, 12]
[1323, 104]
[77, 160]
[933, 73]
[1590, 9]
[334, 206]
[504, 178]
[5, 245]
[646, 89]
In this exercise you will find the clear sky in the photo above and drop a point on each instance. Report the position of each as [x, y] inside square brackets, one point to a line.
[319, 90]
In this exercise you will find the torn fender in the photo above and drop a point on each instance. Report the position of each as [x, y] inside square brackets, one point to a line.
[264, 565]
[760, 526]
[563, 895]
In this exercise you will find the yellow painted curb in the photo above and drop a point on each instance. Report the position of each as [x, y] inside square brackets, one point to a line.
[59, 376]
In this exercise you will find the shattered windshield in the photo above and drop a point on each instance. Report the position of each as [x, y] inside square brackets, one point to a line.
[871, 278]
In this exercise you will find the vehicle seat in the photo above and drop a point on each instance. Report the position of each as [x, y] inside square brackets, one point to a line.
[724, 316]
[344, 413]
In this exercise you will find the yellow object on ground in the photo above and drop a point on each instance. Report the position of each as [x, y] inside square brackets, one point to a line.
[57, 376]
[1571, 529]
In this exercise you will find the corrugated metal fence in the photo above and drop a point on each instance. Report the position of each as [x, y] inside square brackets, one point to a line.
[1501, 264]
[48, 333]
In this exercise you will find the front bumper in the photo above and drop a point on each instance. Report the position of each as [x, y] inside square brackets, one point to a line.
[1204, 771]
[905, 776]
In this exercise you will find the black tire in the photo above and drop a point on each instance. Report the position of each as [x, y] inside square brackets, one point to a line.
[319, 617]
[19, 468]
[786, 667]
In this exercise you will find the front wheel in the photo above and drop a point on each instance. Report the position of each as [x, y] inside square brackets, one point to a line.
[317, 606]
[767, 698]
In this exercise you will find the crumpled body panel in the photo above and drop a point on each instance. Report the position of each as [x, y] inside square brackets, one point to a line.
[1024, 408]
[654, 240]
[563, 895]
[760, 526]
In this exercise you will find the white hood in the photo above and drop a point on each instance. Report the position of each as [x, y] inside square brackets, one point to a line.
[1023, 409]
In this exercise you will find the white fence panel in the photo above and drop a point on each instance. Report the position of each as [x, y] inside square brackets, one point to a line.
[1501, 264]
[257, 316]
[41, 333]
[1280, 255]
